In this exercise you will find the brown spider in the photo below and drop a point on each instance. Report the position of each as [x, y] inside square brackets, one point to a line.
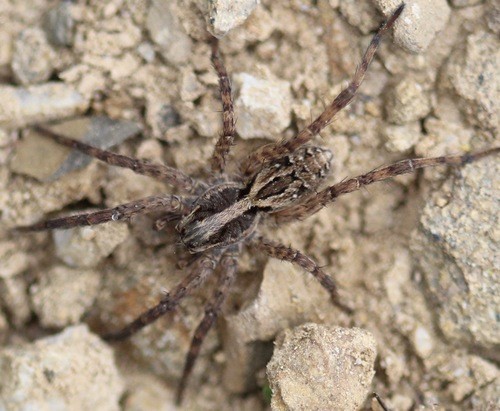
[215, 219]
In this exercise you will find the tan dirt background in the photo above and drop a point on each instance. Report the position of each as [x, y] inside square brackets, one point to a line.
[363, 240]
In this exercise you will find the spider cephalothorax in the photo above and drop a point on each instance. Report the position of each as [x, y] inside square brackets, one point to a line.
[280, 181]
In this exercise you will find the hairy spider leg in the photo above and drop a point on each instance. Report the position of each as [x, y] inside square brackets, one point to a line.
[226, 138]
[199, 272]
[229, 267]
[282, 252]
[170, 204]
[273, 151]
[329, 194]
[169, 175]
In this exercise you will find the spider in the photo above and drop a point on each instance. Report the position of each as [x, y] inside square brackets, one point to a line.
[216, 218]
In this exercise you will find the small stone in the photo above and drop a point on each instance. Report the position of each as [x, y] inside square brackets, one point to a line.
[59, 372]
[33, 57]
[225, 15]
[422, 342]
[407, 101]
[60, 25]
[420, 22]
[20, 106]
[15, 298]
[191, 88]
[401, 138]
[263, 106]
[362, 15]
[41, 158]
[14, 261]
[456, 250]
[167, 32]
[88, 246]
[316, 367]
[473, 74]
[146, 51]
[62, 295]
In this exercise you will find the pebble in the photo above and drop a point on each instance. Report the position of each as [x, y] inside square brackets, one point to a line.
[400, 138]
[13, 295]
[167, 32]
[60, 25]
[32, 58]
[62, 295]
[473, 74]
[316, 367]
[14, 261]
[225, 15]
[20, 106]
[420, 22]
[407, 101]
[86, 247]
[263, 105]
[58, 372]
[457, 249]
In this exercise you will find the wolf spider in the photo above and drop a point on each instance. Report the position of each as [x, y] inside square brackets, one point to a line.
[215, 219]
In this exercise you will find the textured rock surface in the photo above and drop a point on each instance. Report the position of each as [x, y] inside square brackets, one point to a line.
[321, 368]
[148, 63]
[60, 372]
[462, 274]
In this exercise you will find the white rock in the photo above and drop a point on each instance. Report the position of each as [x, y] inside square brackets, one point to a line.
[263, 106]
[420, 22]
[63, 295]
[225, 15]
[20, 106]
[87, 246]
[316, 367]
[167, 32]
[73, 370]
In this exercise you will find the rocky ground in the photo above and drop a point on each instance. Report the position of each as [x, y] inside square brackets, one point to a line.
[416, 257]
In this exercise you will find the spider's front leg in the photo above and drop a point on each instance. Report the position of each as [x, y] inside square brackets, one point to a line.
[276, 150]
[169, 204]
[315, 203]
[170, 175]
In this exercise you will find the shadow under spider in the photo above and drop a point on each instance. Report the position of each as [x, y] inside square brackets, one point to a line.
[279, 181]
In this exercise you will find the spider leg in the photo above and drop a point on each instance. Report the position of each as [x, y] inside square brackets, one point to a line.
[279, 149]
[284, 253]
[226, 139]
[170, 175]
[229, 265]
[168, 203]
[201, 270]
[328, 195]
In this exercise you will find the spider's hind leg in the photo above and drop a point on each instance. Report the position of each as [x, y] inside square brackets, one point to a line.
[229, 267]
[284, 253]
[202, 269]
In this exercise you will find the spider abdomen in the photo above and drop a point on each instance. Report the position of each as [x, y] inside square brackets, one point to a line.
[290, 179]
